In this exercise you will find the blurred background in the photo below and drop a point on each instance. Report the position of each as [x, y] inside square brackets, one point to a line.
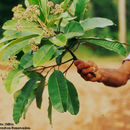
[101, 107]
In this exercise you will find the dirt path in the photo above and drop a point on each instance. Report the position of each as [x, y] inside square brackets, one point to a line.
[101, 108]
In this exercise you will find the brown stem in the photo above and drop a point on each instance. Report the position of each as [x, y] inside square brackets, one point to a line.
[52, 66]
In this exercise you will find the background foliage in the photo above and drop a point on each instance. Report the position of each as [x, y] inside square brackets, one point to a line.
[102, 8]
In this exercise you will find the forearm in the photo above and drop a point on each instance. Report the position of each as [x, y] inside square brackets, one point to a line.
[115, 77]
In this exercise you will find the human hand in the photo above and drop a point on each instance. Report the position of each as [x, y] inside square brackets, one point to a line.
[86, 68]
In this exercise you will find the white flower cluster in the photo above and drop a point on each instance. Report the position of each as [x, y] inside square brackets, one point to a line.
[30, 14]
[13, 62]
[18, 12]
[34, 45]
[55, 9]
[48, 32]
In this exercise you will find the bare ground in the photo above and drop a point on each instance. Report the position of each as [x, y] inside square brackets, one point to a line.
[101, 107]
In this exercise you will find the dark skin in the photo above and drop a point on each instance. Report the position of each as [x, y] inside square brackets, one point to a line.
[110, 77]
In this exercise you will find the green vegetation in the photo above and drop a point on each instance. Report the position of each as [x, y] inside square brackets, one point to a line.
[45, 31]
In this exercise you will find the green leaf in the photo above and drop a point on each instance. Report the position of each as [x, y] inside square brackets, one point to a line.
[30, 100]
[9, 33]
[38, 2]
[50, 112]
[57, 53]
[59, 58]
[16, 94]
[45, 8]
[23, 98]
[14, 36]
[65, 4]
[73, 29]
[56, 1]
[43, 55]
[108, 44]
[12, 80]
[58, 92]
[39, 91]
[96, 22]
[59, 40]
[73, 101]
[26, 60]
[26, 3]
[26, 26]
[15, 46]
[80, 8]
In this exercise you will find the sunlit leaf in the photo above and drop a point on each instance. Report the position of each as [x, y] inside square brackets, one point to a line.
[26, 60]
[15, 46]
[59, 40]
[16, 94]
[73, 29]
[80, 8]
[43, 55]
[95, 22]
[14, 36]
[45, 8]
[26, 3]
[108, 44]
[26, 26]
[12, 80]
[66, 3]
[58, 92]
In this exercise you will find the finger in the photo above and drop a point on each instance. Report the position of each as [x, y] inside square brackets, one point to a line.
[91, 63]
[97, 78]
[77, 62]
[88, 70]
[83, 66]
[90, 76]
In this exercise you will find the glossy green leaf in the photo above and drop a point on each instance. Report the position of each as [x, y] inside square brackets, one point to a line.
[43, 55]
[40, 85]
[58, 52]
[14, 36]
[80, 8]
[39, 91]
[56, 1]
[38, 2]
[58, 92]
[23, 98]
[65, 4]
[12, 80]
[95, 22]
[8, 33]
[108, 44]
[73, 101]
[26, 3]
[30, 100]
[26, 60]
[59, 40]
[73, 29]
[16, 94]
[59, 58]
[50, 112]
[45, 8]
[15, 46]
[31, 27]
